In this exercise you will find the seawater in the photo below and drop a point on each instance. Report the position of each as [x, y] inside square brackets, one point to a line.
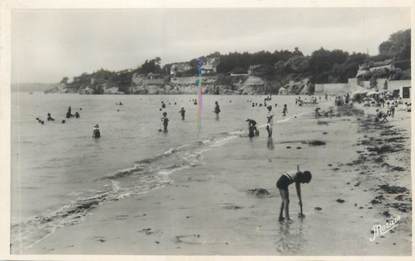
[59, 172]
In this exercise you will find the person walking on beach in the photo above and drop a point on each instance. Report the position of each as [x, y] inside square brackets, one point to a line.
[165, 121]
[270, 121]
[182, 113]
[282, 184]
[217, 110]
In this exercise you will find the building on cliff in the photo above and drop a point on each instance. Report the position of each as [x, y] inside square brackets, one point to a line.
[209, 65]
[179, 68]
[385, 66]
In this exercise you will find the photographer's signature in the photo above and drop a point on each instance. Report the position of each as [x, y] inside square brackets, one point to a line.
[379, 230]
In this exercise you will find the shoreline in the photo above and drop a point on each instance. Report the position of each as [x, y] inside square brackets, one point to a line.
[208, 209]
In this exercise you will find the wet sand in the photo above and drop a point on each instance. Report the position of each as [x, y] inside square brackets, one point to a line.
[210, 210]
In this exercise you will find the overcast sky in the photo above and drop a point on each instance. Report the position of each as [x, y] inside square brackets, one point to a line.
[50, 44]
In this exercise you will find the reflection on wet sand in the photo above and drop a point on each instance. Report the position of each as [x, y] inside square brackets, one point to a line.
[270, 143]
[290, 238]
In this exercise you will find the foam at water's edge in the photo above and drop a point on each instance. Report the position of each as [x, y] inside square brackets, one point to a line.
[147, 174]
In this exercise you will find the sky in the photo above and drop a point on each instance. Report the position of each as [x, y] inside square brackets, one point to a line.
[50, 44]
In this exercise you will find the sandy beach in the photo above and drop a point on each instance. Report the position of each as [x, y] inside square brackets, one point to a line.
[359, 180]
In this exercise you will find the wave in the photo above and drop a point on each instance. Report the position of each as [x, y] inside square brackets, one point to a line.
[146, 175]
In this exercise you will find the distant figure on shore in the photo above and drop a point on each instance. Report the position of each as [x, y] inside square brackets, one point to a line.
[164, 121]
[163, 105]
[270, 121]
[326, 96]
[50, 117]
[252, 129]
[217, 110]
[195, 102]
[63, 121]
[284, 110]
[391, 111]
[381, 116]
[77, 115]
[408, 106]
[182, 113]
[282, 184]
[346, 98]
[96, 133]
[317, 112]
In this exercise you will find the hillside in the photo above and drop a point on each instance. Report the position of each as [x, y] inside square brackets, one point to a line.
[262, 72]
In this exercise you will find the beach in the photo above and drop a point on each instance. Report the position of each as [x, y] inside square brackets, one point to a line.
[209, 198]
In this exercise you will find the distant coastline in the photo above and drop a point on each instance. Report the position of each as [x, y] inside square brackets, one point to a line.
[287, 72]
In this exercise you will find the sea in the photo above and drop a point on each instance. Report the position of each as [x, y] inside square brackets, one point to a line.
[60, 172]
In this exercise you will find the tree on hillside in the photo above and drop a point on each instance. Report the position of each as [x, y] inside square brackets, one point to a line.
[348, 69]
[398, 45]
[151, 66]
[64, 80]
[322, 62]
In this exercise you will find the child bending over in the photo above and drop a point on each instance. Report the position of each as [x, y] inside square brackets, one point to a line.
[283, 182]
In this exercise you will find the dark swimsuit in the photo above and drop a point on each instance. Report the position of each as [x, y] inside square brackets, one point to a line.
[284, 181]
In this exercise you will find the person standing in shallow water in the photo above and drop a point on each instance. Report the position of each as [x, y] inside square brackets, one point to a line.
[182, 113]
[284, 110]
[165, 121]
[217, 110]
[270, 121]
[69, 113]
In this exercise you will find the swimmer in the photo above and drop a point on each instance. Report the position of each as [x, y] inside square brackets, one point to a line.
[96, 133]
[49, 118]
